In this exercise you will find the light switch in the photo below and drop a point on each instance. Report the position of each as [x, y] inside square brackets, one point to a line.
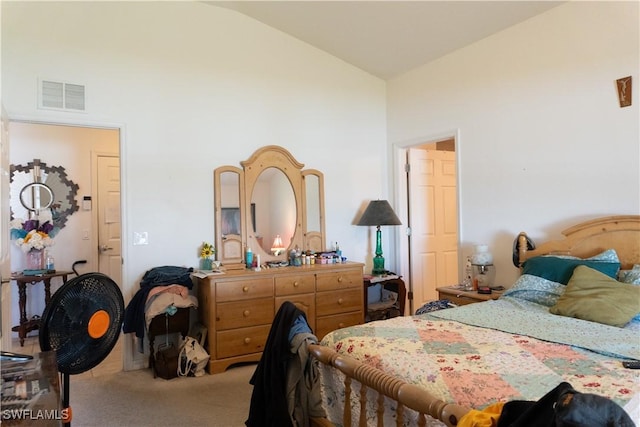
[140, 238]
[85, 234]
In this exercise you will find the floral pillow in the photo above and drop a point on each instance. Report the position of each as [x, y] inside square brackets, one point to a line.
[630, 276]
[633, 277]
[535, 289]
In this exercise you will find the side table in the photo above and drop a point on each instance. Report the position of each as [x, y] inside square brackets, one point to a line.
[393, 283]
[460, 297]
[28, 325]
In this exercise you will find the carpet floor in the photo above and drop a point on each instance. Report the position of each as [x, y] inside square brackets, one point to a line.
[135, 398]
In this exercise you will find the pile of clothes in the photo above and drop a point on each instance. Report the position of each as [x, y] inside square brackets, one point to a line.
[162, 290]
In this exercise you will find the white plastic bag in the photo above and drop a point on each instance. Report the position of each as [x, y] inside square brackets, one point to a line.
[193, 358]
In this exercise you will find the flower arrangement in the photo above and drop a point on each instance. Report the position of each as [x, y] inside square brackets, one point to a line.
[207, 250]
[31, 235]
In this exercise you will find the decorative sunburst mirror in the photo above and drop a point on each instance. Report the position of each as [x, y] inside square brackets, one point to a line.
[38, 189]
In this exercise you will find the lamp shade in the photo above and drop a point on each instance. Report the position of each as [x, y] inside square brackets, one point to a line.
[277, 246]
[379, 212]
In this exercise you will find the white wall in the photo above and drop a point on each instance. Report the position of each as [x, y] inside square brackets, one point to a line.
[543, 143]
[194, 87]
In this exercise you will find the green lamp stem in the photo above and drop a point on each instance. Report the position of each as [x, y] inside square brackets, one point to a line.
[378, 260]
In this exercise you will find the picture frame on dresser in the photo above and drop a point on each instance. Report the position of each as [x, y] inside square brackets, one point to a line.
[230, 221]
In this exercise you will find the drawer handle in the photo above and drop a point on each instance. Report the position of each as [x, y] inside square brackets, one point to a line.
[296, 284]
[246, 313]
[340, 279]
[340, 301]
[341, 325]
[247, 340]
[245, 289]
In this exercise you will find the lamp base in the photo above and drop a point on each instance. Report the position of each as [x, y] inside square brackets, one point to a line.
[378, 266]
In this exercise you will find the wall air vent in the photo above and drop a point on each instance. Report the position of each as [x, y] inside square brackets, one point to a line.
[61, 96]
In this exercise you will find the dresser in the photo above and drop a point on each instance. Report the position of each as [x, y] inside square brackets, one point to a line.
[238, 307]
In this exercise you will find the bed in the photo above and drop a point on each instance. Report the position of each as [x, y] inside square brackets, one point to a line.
[572, 316]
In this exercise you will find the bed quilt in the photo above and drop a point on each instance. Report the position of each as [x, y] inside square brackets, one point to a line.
[475, 366]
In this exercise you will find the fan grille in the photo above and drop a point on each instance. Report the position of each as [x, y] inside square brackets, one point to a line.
[65, 322]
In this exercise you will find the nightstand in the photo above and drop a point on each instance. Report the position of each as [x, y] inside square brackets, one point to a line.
[378, 311]
[460, 297]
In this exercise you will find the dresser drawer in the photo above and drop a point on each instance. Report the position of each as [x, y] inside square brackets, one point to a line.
[339, 302]
[237, 342]
[327, 324]
[244, 289]
[339, 280]
[239, 314]
[305, 302]
[298, 284]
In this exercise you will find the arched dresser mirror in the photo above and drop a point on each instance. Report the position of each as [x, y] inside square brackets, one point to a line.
[270, 205]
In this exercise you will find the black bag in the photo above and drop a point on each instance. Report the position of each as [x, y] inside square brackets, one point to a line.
[166, 361]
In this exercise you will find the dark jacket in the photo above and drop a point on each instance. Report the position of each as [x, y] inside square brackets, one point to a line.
[269, 407]
[564, 407]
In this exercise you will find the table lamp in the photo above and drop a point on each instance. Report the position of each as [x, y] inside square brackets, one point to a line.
[379, 213]
[278, 247]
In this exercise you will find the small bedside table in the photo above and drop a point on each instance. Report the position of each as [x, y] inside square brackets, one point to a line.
[460, 297]
[393, 283]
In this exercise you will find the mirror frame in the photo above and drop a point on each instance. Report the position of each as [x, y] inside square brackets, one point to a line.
[314, 240]
[229, 247]
[40, 206]
[270, 156]
[36, 169]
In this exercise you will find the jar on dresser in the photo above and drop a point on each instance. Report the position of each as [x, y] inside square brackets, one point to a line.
[238, 307]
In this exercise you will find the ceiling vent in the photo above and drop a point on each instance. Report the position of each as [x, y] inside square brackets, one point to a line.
[61, 96]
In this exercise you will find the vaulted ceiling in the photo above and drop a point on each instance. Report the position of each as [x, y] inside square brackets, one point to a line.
[388, 38]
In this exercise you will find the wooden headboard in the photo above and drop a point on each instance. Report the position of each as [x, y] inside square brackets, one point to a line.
[621, 232]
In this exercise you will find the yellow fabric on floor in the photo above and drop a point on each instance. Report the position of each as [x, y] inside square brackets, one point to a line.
[488, 417]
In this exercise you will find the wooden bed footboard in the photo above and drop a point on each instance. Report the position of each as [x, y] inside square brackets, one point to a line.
[407, 395]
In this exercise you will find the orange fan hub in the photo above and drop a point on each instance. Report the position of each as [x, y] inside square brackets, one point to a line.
[98, 324]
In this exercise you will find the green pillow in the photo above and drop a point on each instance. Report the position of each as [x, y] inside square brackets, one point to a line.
[559, 269]
[592, 295]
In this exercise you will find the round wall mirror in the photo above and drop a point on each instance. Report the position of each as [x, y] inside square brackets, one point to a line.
[36, 196]
[42, 191]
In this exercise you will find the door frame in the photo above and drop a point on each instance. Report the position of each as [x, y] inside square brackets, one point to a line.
[403, 254]
[129, 347]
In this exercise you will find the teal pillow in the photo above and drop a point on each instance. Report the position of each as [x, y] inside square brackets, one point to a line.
[560, 270]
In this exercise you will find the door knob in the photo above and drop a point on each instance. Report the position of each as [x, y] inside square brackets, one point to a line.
[104, 248]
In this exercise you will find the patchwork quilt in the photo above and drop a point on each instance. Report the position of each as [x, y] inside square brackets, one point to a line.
[473, 366]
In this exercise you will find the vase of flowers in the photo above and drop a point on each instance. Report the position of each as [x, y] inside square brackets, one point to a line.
[32, 238]
[35, 259]
[206, 252]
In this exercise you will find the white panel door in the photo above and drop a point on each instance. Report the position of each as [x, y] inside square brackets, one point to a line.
[109, 227]
[434, 222]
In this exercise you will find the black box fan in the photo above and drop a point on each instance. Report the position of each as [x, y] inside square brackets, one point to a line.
[82, 323]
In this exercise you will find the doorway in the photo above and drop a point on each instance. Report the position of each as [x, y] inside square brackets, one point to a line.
[428, 200]
[75, 148]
